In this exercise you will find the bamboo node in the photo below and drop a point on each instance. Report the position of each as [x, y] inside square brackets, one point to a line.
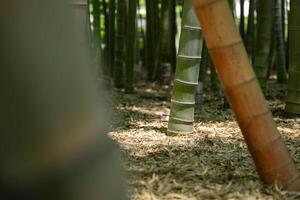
[253, 79]
[186, 82]
[182, 103]
[189, 57]
[227, 45]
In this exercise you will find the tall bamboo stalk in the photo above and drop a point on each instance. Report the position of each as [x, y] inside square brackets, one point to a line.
[96, 23]
[204, 64]
[187, 72]
[120, 44]
[293, 98]
[151, 38]
[105, 54]
[242, 19]
[130, 45]
[214, 81]
[111, 34]
[165, 32]
[263, 40]
[249, 39]
[232, 7]
[279, 43]
[167, 40]
[225, 45]
[173, 29]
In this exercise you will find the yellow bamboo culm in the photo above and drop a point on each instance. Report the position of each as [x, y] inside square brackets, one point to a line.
[228, 53]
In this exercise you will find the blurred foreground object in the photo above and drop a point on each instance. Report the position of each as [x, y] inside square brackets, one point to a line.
[53, 121]
[228, 53]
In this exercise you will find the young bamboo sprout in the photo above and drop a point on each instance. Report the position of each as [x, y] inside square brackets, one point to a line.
[187, 72]
[241, 87]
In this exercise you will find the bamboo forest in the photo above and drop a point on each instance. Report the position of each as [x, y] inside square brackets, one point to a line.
[150, 99]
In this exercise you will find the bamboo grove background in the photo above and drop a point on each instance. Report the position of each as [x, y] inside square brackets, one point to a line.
[137, 41]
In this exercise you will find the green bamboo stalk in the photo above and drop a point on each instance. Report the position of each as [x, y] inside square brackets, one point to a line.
[151, 38]
[187, 72]
[141, 37]
[272, 57]
[204, 63]
[173, 29]
[279, 43]
[105, 55]
[165, 32]
[120, 44]
[249, 39]
[214, 81]
[263, 40]
[232, 6]
[283, 17]
[111, 34]
[293, 98]
[94, 12]
[130, 45]
[242, 19]
[96, 23]
[165, 44]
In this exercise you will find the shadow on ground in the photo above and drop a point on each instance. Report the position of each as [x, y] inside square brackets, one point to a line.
[212, 163]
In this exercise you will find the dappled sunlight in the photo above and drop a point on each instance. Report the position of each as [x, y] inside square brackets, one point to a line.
[211, 163]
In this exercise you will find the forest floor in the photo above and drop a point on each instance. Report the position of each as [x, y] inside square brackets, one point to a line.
[211, 163]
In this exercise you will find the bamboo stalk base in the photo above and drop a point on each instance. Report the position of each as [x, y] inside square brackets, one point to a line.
[293, 108]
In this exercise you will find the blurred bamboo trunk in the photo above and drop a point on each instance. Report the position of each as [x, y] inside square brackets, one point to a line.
[242, 19]
[232, 7]
[225, 45]
[187, 72]
[263, 40]
[249, 39]
[173, 27]
[293, 98]
[279, 42]
[152, 36]
[94, 25]
[120, 44]
[52, 120]
[95, 11]
[104, 35]
[111, 35]
[130, 45]
[167, 41]
[204, 65]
